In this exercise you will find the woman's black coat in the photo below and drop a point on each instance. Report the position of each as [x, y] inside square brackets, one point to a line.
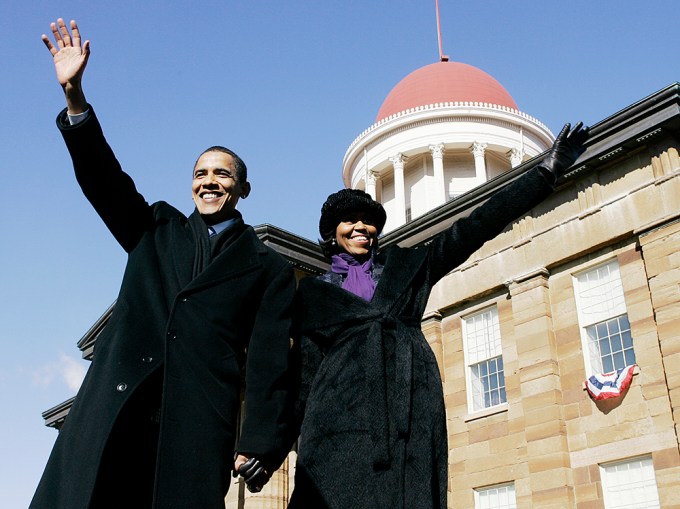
[196, 329]
[374, 428]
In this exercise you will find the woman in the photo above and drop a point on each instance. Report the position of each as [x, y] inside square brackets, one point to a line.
[374, 428]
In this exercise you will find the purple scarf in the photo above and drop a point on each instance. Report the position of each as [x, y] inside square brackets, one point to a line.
[358, 280]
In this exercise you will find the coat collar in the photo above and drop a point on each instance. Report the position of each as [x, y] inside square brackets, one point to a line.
[240, 255]
[320, 300]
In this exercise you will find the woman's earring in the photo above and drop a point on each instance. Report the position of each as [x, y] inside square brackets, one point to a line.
[333, 242]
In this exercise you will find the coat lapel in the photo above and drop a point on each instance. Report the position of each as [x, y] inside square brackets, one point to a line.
[183, 247]
[242, 255]
[400, 267]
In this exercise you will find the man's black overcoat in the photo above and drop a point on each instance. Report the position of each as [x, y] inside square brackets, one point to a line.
[374, 428]
[196, 329]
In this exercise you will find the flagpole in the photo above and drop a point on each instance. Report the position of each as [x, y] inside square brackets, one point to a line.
[442, 57]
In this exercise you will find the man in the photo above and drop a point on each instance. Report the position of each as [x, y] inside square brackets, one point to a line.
[154, 422]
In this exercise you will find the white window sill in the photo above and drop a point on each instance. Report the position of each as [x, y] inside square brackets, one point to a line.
[497, 409]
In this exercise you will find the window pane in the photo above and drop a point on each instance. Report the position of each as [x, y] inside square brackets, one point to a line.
[627, 339]
[601, 329]
[625, 325]
[630, 484]
[618, 360]
[604, 346]
[495, 398]
[496, 497]
[488, 386]
[613, 327]
[612, 342]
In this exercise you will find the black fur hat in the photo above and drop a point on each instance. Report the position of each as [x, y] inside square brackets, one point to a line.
[347, 200]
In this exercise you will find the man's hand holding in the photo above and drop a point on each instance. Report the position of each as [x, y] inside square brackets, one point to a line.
[252, 471]
[70, 60]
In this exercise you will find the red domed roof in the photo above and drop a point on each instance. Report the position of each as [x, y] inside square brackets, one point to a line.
[444, 82]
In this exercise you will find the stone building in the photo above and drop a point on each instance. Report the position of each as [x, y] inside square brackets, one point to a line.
[588, 282]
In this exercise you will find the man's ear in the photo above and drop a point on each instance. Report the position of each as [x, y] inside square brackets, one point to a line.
[245, 191]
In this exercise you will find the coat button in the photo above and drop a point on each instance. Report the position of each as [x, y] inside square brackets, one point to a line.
[121, 387]
[172, 335]
[184, 299]
[148, 360]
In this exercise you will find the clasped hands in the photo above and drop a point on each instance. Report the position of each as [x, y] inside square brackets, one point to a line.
[252, 471]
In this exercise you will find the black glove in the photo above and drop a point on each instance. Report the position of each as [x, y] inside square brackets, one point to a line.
[254, 474]
[566, 149]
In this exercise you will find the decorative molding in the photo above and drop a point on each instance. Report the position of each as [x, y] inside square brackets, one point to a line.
[437, 151]
[479, 119]
[398, 160]
[516, 156]
[540, 275]
[648, 135]
[371, 177]
[478, 149]
[446, 105]
[611, 154]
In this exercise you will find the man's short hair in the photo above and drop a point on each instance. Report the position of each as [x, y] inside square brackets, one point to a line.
[239, 166]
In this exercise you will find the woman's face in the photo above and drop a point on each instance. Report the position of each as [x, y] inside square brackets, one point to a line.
[356, 233]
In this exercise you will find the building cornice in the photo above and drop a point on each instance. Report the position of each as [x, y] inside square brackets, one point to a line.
[299, 251]
[55, 416]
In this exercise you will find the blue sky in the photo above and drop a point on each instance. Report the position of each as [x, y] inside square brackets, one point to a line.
[287, 85]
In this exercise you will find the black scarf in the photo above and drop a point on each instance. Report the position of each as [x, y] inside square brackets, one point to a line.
[209, 247]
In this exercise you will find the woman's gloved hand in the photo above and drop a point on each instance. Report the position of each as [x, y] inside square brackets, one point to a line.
[567, 148]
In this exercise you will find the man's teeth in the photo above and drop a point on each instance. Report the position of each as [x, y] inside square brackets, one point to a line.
[208, 196]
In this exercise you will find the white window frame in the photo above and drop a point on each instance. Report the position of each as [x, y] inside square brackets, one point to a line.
[630, 484]
[600, 304]
[505, 491]
[492, 350]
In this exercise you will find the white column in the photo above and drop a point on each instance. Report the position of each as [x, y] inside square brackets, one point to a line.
[515, 155]
[370, 179]
[399, 191]
[440, 193]
[478, 150]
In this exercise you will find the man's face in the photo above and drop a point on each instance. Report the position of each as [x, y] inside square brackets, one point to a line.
[216, 187]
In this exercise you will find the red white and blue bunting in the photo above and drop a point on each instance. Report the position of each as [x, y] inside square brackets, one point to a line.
[610, 385]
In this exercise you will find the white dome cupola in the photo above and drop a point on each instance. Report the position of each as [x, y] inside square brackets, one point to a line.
[442, 130]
